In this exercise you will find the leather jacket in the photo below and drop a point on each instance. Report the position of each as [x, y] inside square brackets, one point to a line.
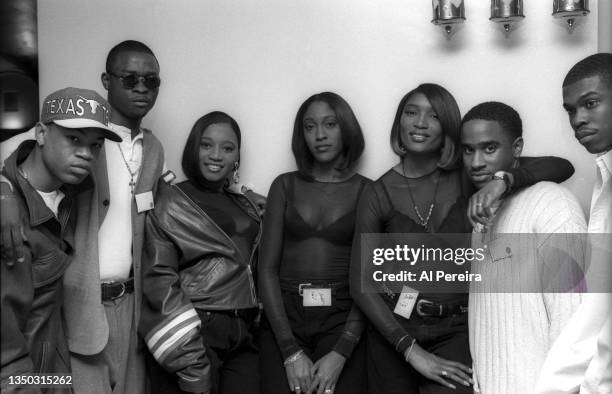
[190, 264]
[33, 336]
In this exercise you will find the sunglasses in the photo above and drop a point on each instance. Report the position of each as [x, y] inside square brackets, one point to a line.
[130, 81]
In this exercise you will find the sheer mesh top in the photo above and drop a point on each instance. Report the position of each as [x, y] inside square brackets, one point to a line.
[308, 232]
[312, 222]
[387, 206]
[405, 203]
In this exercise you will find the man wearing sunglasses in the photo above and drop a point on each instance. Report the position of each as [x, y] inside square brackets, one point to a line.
[102, 292]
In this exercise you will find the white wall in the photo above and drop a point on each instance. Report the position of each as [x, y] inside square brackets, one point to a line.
[258, 60]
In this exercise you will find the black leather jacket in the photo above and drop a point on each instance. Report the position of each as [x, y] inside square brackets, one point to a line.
[33, 339]
[190, 264]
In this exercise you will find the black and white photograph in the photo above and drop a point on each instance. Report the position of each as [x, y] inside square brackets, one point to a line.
[306, 196]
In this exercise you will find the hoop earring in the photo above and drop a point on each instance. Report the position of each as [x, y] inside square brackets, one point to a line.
[236, 174]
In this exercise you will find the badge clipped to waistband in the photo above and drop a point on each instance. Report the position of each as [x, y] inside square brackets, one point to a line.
[405, 302]
[315, 296]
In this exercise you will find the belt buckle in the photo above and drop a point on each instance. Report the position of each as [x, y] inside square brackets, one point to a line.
[301, 288]
[121, 293]
[422, 302]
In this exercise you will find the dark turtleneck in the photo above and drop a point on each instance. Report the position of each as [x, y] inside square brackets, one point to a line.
[216, 203]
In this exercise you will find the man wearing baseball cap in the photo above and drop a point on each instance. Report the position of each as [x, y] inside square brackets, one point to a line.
[41, 180]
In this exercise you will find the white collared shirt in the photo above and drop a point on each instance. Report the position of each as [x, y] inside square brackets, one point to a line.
[115, 235]
[598, 375]
[601, 202]
[581, 357]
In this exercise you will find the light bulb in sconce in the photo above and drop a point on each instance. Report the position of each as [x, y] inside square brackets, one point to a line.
[570, 10]
[448, 13]
[507, 13]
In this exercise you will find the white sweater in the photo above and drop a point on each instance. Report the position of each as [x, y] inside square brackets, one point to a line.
[511, 332]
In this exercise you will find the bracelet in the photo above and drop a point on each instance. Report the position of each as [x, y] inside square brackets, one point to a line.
[350, 335]
[410, 349]
[293, 358]
[505, 177]
[397, 345]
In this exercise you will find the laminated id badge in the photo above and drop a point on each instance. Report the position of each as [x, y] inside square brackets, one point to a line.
[405, 302]
[144, 201]
[316, 297]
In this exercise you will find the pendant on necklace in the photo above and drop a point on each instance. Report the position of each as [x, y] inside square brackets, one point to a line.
[132, 185]
[424, 222]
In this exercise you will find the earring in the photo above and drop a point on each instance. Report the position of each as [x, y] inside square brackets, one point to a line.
[402, 148]
[236, 174]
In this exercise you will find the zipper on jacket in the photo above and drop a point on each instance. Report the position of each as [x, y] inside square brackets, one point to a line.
[252, 284]
[253, 249]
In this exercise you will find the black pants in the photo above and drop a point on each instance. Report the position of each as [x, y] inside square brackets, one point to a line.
[389, 373]
[317, 330]
[231, 349]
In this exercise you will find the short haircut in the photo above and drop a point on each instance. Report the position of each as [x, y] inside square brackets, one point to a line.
[599, 64]
[449, 116]
[191, 154]
[352, 137]
[125, 46]
[498, 112]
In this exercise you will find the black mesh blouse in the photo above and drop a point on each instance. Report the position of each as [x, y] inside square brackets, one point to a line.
[387, 206]
[308, 232]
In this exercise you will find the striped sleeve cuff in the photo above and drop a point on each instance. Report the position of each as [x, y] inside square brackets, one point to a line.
[165, 337]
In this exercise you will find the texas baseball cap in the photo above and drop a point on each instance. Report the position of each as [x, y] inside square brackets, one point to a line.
[76, 108]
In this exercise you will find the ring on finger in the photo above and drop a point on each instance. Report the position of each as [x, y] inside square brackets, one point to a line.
[479, 204]
[328, 391]
[297, 388]
[444, 373]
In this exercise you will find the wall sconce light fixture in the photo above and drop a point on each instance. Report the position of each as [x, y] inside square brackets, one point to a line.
[570, 10]
[506, 12]
[448, 13]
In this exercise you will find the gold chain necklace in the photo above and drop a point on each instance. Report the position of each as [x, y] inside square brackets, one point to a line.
[424, 222]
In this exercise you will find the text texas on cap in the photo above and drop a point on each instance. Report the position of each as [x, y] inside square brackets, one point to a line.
[76, 108]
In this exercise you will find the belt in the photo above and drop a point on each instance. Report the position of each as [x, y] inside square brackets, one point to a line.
[296, 287]
[113, 290]
[428, 308]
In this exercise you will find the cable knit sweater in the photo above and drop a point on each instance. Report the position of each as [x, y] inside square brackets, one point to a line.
[510, 331]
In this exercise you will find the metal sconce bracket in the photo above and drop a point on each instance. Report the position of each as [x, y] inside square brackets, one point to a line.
[448, 13]
[507, 13]
[570, 10]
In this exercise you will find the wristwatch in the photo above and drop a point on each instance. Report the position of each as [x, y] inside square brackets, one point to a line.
[503, 176]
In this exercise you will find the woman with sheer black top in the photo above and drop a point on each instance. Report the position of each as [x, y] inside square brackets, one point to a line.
[425, 193]
[310, 338]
